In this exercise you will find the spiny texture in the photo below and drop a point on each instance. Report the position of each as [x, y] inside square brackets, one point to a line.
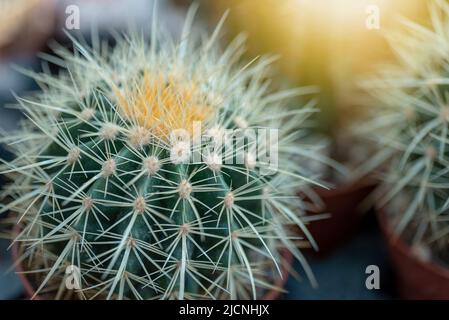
[410, 123]
[105, 180]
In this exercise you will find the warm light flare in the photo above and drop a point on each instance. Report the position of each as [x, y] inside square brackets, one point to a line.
[328, 43]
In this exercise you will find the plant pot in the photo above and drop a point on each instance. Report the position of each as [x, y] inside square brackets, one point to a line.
[29, 290]
[416, 279]
[30, 34]
[343, 206]
[273, 294]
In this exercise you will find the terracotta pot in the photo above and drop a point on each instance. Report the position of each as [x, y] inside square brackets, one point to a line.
[343, 206]
[280, 282]
[270, 295]
[29, 290]
[30, 34]
[416, 279]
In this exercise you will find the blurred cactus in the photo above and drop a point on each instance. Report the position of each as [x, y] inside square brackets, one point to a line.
[409, 122]
[105, 176]
[327, 44]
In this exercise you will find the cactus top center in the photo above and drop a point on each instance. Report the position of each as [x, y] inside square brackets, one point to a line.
[163, 104]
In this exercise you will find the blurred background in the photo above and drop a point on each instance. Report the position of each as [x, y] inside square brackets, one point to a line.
[325, 43]
[330, 44]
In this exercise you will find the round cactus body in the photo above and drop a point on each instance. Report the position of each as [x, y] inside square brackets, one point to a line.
[157, 171]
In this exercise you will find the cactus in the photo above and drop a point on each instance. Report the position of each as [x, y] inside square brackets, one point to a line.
[410, 124]
[106, 182]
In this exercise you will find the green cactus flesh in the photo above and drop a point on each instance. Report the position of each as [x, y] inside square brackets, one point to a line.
[100, 182]
[157, 209]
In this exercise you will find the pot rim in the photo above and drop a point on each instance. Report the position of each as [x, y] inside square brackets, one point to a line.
[346, 187]
[399, 244]
[11, 49]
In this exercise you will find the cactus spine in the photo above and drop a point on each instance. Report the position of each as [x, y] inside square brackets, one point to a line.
[105, 177]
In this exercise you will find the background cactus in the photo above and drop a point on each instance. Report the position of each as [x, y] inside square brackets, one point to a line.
[410, 124]
[105, 180]
[332, 49]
